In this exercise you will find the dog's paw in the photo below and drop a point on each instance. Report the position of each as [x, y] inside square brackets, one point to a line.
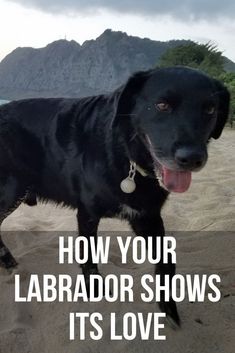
[94, 291]
[172, 316]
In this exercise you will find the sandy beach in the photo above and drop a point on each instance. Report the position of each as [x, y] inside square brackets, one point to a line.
[203, 220]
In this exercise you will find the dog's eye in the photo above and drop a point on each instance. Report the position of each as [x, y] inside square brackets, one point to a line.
[163, 107]
[210, 110]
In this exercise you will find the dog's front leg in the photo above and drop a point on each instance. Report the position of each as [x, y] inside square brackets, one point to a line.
[152, 226]
[88, 226]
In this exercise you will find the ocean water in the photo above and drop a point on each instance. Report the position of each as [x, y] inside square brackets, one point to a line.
[2, 101]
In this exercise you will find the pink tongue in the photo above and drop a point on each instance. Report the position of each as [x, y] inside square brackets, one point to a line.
[176, 181]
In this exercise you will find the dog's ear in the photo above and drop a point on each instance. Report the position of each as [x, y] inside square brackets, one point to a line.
[126, 95]
[223, 108]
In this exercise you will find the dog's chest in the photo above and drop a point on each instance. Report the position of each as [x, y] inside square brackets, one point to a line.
[128, 212]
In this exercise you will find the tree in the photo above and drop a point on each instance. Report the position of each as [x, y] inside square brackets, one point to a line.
[205, 57]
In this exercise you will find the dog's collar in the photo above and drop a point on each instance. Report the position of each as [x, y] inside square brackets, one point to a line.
[139, 169]
[128, 184]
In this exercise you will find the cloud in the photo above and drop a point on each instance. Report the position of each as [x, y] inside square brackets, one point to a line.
[183, 10]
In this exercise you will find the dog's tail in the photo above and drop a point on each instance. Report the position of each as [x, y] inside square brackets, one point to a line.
[30, 198]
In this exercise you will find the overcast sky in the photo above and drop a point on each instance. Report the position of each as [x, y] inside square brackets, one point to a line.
[38, 22]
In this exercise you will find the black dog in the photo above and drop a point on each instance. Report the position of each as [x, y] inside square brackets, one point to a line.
[112, 154]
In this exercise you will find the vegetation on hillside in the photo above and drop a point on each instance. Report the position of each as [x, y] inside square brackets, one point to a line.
[204, 57]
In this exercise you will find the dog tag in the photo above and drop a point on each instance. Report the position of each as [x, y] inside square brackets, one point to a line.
[128, 185]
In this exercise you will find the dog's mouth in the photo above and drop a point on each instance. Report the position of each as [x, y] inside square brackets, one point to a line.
[172, 180]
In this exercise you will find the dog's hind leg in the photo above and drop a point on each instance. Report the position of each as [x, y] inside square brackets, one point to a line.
[6, 258]
[10, 198]
[152, 226]
[88, 226]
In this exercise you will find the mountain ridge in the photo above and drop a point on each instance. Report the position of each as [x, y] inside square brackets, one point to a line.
[66, 68]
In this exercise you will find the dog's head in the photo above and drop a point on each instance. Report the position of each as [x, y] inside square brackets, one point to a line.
[175, 111]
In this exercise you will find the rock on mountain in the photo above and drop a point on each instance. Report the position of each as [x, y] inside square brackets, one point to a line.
[65, 68]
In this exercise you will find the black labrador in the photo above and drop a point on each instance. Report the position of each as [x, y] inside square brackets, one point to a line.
[110, 155]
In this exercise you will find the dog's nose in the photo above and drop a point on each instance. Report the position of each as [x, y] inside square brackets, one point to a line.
[190, 157]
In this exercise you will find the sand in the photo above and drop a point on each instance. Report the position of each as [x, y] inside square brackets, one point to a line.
[205, 220]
